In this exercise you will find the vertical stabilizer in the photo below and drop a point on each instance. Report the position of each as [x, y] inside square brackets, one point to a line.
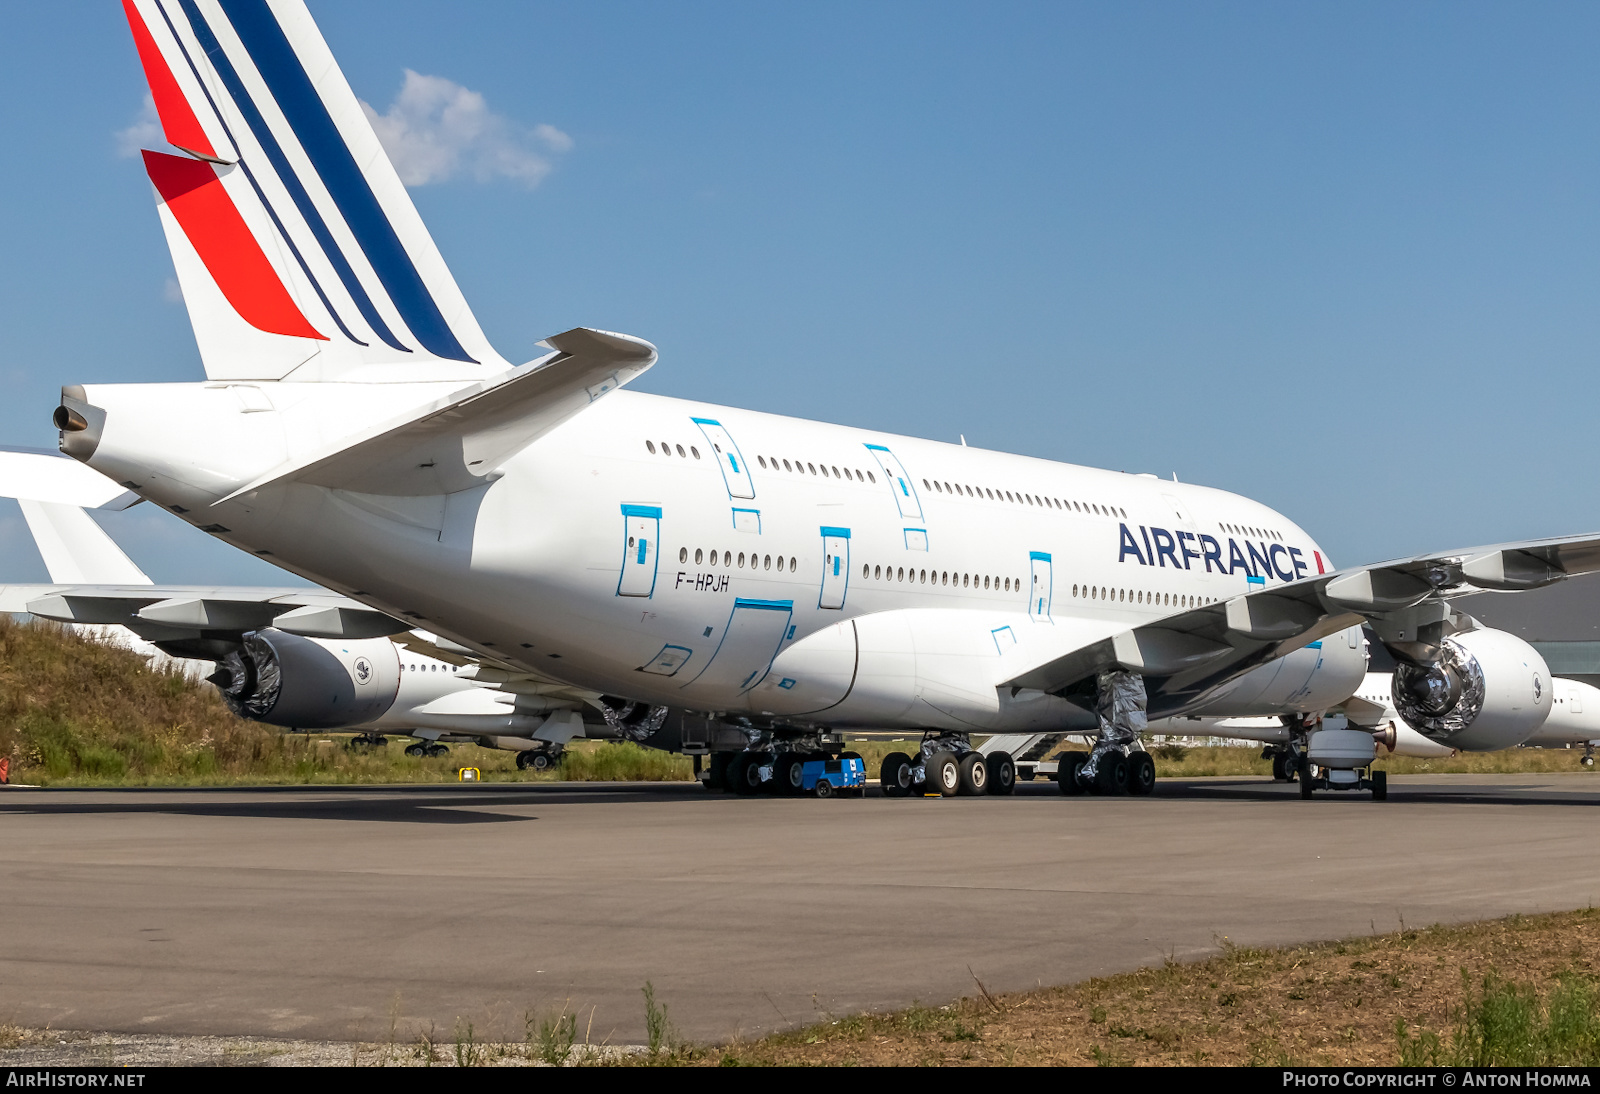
[298, 250]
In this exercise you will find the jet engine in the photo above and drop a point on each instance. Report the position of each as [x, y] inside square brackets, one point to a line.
[1489, 690]
[307, 683]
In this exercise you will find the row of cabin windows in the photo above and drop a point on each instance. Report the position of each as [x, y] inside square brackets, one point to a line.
[426, 668]
[813, 468]
[939, 577]
[1020, 498]
[1259, 533]
[702, 557]
[666, 449]
[1137, 596]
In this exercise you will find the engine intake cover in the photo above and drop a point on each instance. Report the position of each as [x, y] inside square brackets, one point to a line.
[1489, 690]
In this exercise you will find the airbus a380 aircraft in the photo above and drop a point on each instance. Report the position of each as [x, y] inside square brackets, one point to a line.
[734, 582]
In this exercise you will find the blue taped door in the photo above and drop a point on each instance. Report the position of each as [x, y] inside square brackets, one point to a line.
[755, 631]
[640, 549]
[835, 567]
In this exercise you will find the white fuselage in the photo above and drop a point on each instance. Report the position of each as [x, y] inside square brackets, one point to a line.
[776, 566]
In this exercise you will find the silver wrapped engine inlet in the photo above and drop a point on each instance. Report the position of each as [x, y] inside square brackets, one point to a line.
[1443, 699]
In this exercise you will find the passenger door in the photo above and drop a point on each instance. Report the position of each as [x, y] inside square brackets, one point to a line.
[749, 643]
[835, 567]
[641, 547]
[1040, 592]
[905, 492]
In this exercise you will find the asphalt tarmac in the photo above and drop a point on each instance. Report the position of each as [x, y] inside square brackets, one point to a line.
[347, 913]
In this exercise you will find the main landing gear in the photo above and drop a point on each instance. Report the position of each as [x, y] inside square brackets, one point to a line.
[539, 759]
[1118, 763]
[367, 740]
[1285, 761]
[430, 749]
[947, 765]
[778, 770]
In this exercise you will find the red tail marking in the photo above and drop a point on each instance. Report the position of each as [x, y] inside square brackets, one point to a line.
[178, 122]
[1320, 570]
[225, 244]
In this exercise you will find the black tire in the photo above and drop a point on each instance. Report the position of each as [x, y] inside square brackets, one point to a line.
[1141, 774]
[974, 773]
[1068, 766]
[438, 750]
[737, 781]
[540, 761]
[895, 775]
[944, 774]
[717, 771]
[380, 742]
[416, 750]
[1027, 774]
[1111, 776]
[1002, 773]
[824, 788]
[1279, 774]
[1304, 772]
[788, 774]
[1380, 786]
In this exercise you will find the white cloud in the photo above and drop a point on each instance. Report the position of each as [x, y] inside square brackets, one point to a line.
[436, 129]
[143, 133]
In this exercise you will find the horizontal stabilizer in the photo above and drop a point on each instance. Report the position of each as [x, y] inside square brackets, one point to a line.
[458, 445]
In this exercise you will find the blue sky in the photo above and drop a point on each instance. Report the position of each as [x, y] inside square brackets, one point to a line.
[1339, 258]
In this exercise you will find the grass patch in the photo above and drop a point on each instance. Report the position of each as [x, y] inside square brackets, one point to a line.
[75, 712]
[1426, 997]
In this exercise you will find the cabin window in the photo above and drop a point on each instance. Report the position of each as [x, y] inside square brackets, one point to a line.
[650, 446]
[698, 556]
[786, 466]
[693, 451]
[762, 460]
[741, 560]
[683, 554]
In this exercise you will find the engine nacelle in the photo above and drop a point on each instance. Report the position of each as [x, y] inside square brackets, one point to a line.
[1490, 690]
[308, 683]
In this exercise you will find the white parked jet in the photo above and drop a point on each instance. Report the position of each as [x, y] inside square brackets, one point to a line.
[437, 692]
[740, 583]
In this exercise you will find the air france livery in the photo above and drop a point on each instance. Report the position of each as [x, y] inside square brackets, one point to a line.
[721, 581]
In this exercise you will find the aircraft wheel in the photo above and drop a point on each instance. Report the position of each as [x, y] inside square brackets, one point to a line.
[438, 750]
[745, 778]
[1111, 777]
[1279, 767]
[1380, 786]
[1141, 773]
[416, 750]
[540, 761]
[1305, 778]
[1069, 764]
[1587, 761]
[895, 775]
[788, 774]
[974, 773]
[944, 774]
[1002, 773]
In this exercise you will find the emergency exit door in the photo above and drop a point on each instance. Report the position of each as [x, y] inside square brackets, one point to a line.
[835, 567]
[640, 550]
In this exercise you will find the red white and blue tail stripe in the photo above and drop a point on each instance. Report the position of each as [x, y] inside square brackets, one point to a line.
[298, 250]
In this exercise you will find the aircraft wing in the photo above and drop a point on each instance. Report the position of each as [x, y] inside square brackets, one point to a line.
[156, 612]
[1185, 656]
[454, 446]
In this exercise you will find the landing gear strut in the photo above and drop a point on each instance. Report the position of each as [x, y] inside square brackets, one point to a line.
[1118, 763]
